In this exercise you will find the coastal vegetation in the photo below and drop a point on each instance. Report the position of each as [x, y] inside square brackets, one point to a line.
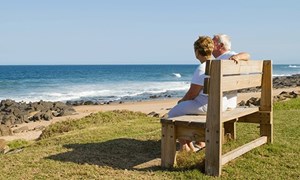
[126, 145]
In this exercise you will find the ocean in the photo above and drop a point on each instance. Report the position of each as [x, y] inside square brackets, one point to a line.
[101, 83]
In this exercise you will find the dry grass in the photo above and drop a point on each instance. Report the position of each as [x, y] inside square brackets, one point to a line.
[118, 145]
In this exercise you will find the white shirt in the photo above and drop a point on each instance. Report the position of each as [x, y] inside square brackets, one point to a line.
[231, 95]
[227, 55]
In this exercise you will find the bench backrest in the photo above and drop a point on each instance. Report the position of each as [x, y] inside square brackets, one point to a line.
[226, 75]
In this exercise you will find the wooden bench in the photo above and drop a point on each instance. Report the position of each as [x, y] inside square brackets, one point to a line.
[223, 76]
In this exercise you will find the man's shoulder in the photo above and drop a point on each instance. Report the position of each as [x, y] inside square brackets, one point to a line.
[227, 55]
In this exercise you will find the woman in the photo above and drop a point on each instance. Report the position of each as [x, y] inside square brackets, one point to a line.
[194, 101]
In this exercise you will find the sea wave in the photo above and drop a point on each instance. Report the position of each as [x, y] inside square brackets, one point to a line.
[100, 92]
[294, 66]
[178, 75]
[280, 75]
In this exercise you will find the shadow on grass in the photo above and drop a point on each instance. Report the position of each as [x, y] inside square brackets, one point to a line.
[117, 153]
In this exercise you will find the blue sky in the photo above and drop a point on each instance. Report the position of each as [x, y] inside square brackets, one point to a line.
[143, 32]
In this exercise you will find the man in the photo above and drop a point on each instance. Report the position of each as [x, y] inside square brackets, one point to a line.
[222, 51]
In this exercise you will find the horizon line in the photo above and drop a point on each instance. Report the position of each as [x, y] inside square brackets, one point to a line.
[111, 64]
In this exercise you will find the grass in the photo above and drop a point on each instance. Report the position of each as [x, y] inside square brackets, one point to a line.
[112, 145]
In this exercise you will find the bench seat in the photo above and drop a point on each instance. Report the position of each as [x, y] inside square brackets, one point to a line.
[200, 120]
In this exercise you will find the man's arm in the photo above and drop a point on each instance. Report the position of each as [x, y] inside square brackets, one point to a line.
[240, 56]
[192, 93]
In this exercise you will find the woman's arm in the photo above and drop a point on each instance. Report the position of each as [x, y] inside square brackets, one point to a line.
[192, 93]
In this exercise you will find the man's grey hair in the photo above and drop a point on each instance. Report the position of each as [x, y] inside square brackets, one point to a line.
[225, 39]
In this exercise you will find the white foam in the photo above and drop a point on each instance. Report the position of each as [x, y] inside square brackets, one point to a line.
[294, 66]
[279, 75]
[177, 75]
[114, 91]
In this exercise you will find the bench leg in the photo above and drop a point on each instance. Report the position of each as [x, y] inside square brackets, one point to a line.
[168, 145]
[266, 127]
[230, 128]
[213, 151]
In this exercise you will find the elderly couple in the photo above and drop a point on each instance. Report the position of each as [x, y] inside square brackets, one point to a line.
[194, 101]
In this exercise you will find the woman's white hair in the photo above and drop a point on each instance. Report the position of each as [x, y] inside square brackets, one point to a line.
[225, 40]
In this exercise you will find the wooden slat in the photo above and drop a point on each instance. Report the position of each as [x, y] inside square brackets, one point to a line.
[213, 133]
[191, 133]
[266, 90]
[206, 86]
[243, 67]
[200, 120]
[207, 67]
[261, 117]
[243, 149]
[189, 120]
[238, 112]
[241, 81]
[266, 102]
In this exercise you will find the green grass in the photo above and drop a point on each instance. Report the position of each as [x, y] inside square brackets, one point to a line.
[110, 145]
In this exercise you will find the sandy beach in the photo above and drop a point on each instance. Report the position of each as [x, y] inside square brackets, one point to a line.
[161, 107]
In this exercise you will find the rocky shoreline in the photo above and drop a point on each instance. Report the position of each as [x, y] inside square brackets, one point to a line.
[13, 113]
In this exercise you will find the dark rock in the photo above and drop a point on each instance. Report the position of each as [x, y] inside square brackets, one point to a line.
[153, 114]
[88, 103]
[7, 102]
[47, 115]
[8, 120]
[242, 103]
[12, 113]
[5, 130]
[37, 116]
[37, 106]
[55, 113]
[153, 96]
[67, 112]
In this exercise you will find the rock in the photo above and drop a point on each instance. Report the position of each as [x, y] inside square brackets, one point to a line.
[253, 102]
[21, 129]
[7, 102]
[47, 115]
[5, 130]
[12, 113]
[8, 120]
[3, 147]
[55, 113]
[37, 106]
[88, 103]
[153, 114]
[165, 116]
[39, 128]
[37, 116]
[242, 103]
[154, 96]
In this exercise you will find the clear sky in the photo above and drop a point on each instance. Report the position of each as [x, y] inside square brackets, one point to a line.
[143, 32]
